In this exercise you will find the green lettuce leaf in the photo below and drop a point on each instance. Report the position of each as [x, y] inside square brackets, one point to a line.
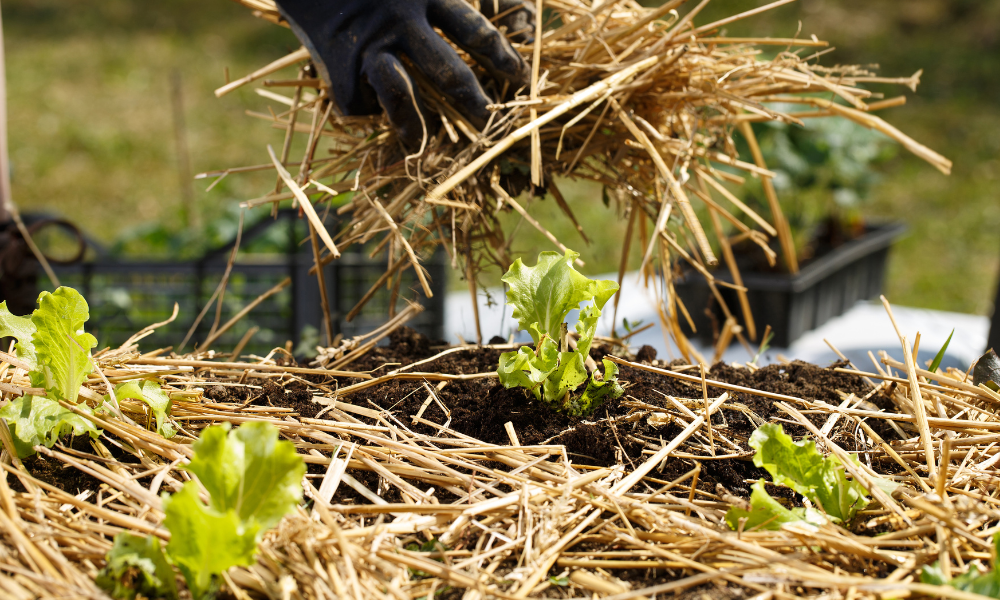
[586, 327]
[154, 397]
[544, 294]
[22, 329]
[249, 472]
[599, 392]
[205, 542]
[569, 375]
[973, 580]
[35, 420]
[252, 478]
[527, 368]
[136, 565]
[767, 513]
[799, 466]
[61, 345]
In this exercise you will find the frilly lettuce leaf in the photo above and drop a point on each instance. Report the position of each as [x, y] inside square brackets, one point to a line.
[154, 397]
[799, 466]
[586, 327]
[544, 294]
[35, 420]
[767, 513]
[61, 346]
[205, 542]
[598, 392]
[249, 471]
[22, 329]
[973, 580]
[565, 378]
[136, 565]
[252, 478]
[529, 368]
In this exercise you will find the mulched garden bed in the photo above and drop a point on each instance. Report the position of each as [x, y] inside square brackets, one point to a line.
[447, 484]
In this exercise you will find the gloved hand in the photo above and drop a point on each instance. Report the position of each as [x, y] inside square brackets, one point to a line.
[356, 46]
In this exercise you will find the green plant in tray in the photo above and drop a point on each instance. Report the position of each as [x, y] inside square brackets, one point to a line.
[542, 297]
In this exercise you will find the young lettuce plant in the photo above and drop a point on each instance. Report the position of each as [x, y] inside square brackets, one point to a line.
[820, 479]
[542, 297]
[974, 581]
[54, 346]
[253, 480]
[56, 350]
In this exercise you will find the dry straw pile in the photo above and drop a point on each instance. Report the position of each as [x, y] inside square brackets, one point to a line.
[514, 521]
[644, 101]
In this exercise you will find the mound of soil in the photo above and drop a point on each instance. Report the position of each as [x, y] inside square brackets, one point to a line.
[480, 407]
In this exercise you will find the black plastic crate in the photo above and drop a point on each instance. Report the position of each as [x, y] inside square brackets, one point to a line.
[125, 295]
[794, 304]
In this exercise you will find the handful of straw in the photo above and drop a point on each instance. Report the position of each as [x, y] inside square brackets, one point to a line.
[644, 101]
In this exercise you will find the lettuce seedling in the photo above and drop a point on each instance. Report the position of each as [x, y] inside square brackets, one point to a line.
[136, 566]
[53, 344]
[973, 580]
[542, 297]
[57, 350]
[155, 398]
[252, 479]
[799, 466]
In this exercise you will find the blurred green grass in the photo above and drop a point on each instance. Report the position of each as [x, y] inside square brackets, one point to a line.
[90, 110]
[92, 136]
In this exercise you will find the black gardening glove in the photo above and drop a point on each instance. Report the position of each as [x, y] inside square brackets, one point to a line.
[356, 45]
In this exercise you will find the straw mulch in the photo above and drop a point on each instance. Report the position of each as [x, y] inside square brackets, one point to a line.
[645, 101]
[475, 520]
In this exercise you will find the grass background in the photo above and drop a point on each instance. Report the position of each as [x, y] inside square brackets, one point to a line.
[92, 128]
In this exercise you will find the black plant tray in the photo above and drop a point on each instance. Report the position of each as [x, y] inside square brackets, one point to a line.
[794, 304]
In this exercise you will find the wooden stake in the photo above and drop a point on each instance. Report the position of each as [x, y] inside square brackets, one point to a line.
[6, 200]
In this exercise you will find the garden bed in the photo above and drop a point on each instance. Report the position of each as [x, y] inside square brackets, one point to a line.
[427, 478]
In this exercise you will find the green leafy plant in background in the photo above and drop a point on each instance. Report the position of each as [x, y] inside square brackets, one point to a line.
[973, 580]
[820, 479]
[542, 297]
[631, 326]
[825, 170]
[54, 346]
[253, 479]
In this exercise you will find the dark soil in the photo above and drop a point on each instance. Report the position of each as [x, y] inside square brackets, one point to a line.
[65, 477]
[479, 408]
